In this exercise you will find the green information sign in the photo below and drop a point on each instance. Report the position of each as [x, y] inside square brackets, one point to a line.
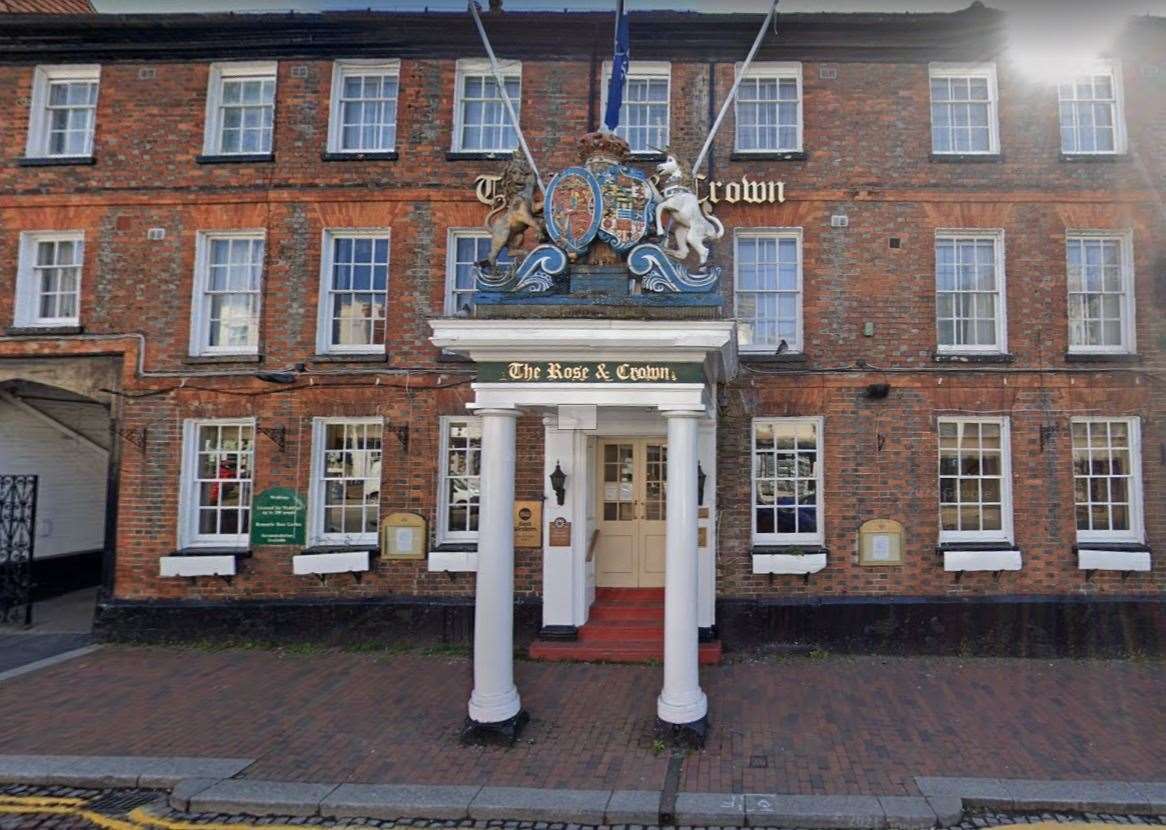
[569, 371]
[277, 517]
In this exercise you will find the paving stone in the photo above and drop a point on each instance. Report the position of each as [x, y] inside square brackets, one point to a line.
[399, 801]
[34, 769]
[1108, 796]
[949, 809]
[1153, 793]
[710, 809]
[163, 773]
[907, 812]
[582, 806]
[983, 792]
[635, 807]
[262, 797]
[828, 811]
[187, 788]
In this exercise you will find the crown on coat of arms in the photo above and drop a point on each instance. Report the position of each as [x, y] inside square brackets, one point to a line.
[602, 146]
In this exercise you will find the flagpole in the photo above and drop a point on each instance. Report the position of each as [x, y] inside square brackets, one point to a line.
[733, 92]
[505, 96]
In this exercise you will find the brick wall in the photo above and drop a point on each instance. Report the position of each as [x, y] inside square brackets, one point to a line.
[867, 146]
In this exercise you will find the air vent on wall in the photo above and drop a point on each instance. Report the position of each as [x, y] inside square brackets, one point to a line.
[300, 71]
[839, 220]
[147, 73]
[827, 73]
[155, 234]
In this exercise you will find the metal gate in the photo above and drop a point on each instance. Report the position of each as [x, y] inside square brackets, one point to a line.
[17, 537]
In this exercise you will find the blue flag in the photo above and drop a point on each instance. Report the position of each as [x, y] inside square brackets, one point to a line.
[619, 69]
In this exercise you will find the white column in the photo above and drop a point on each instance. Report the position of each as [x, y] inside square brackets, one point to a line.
[495, 697]
[681, 700]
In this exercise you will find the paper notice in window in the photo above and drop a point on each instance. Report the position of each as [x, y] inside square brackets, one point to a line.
[880, 547]
[404, 539]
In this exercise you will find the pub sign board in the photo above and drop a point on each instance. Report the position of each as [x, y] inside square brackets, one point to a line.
[569, 371]
[277, 517]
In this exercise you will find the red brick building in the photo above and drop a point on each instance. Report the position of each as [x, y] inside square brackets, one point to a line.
[242, 234]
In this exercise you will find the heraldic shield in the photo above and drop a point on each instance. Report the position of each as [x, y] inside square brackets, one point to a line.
[613, 201]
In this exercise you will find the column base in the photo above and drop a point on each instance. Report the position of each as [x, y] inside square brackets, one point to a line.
[683, 735]
[502, 733]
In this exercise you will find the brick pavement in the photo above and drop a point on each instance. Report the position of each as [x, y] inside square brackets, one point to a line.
[796, 725]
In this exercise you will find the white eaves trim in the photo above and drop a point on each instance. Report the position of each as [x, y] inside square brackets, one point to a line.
[981, 560]
[1113, 560]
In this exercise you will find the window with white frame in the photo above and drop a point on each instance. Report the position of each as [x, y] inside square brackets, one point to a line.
[963, 109]
[644, 113]
[48, 278]
[768, 289]
[354, 286]
[481, 121]
[228, 283]
[466, 248]
[240, 109]
[769, 109]
[346, 480]
[969, 291]
[1101, 307]
[975, 480]
[459, 495]
[364, 107]
[1107, 481]
[62, 111]
[787, 480]
[218, 464]
[1090, 105]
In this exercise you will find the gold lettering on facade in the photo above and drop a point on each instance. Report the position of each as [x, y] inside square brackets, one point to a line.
[556, 371]
[523, 371]
[485, 187]
[746, 190]
[601, 372]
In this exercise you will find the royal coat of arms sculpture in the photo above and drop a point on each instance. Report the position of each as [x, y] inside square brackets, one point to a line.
[604, 201]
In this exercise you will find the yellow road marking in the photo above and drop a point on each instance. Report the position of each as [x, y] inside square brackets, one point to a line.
[41, 801]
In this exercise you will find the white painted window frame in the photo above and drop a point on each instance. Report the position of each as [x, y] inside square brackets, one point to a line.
[481, 66]
[200, 310]
[816, 538]
[323, 304]
[968, 70]
[38, 115]
[26, 311]
[1137, 531]
[452, 236]
[443, 535]
[315, 529]
[1005, 534]
[1113, 68]
[343, 68]
[997, 235]
[780, 233]
[219, 72]
[779, 71]
[188, 535]
[1125, 238]
[641, 70]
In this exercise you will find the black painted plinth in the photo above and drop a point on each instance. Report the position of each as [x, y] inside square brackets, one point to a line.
[503, 733]
[683, 735]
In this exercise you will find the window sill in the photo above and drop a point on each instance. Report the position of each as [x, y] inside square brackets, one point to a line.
[200, 359]
[1111, 556]
[194, 562]
[1073, 158]
[332, 562]
[771, 359]
[391, 155]
[965, 158]
[800, 560]
[453, 558]
[48, 161]
[479, 155]
[1103, 357]
[355, 357]
[241, 158]
[980, 556]
[941, 357]
[325, 549]
[42, 331]
[768, 155]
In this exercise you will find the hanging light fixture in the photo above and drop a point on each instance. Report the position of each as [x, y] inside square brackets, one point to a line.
[559, 483]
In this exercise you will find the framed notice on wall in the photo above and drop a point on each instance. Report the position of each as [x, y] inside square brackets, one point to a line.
[528, 524]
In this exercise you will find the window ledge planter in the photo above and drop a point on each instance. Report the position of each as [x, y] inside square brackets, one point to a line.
[454, 558]
[194, 562]
[799, 561]
[1099, 558]
[331, 562]
[959, 560]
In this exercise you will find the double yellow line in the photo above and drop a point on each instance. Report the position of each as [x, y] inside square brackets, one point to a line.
[138, 819]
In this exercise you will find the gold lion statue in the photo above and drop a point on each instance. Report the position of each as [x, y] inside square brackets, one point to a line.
[513, 210]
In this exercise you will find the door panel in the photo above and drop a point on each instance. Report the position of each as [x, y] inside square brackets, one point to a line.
[632, 506]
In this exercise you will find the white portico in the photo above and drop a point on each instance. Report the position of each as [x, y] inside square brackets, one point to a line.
[642, 392]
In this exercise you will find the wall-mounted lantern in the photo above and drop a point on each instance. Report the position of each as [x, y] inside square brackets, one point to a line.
[559, 483]
[701, 477]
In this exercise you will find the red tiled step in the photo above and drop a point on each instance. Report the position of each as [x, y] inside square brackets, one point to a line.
[634, 651]
[622, 630]
[630, 596]
[627, 612]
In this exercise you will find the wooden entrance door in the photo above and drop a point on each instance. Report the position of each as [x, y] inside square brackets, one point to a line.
[632, 501]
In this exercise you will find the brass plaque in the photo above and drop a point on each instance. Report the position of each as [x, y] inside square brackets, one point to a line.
[528, 524]
[702, 537]
[702, 512]
[560, 533]
[403, 536]
[880, 542]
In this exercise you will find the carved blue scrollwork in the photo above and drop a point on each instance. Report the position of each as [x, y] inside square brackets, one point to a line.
[538, 271]
[659, 273]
